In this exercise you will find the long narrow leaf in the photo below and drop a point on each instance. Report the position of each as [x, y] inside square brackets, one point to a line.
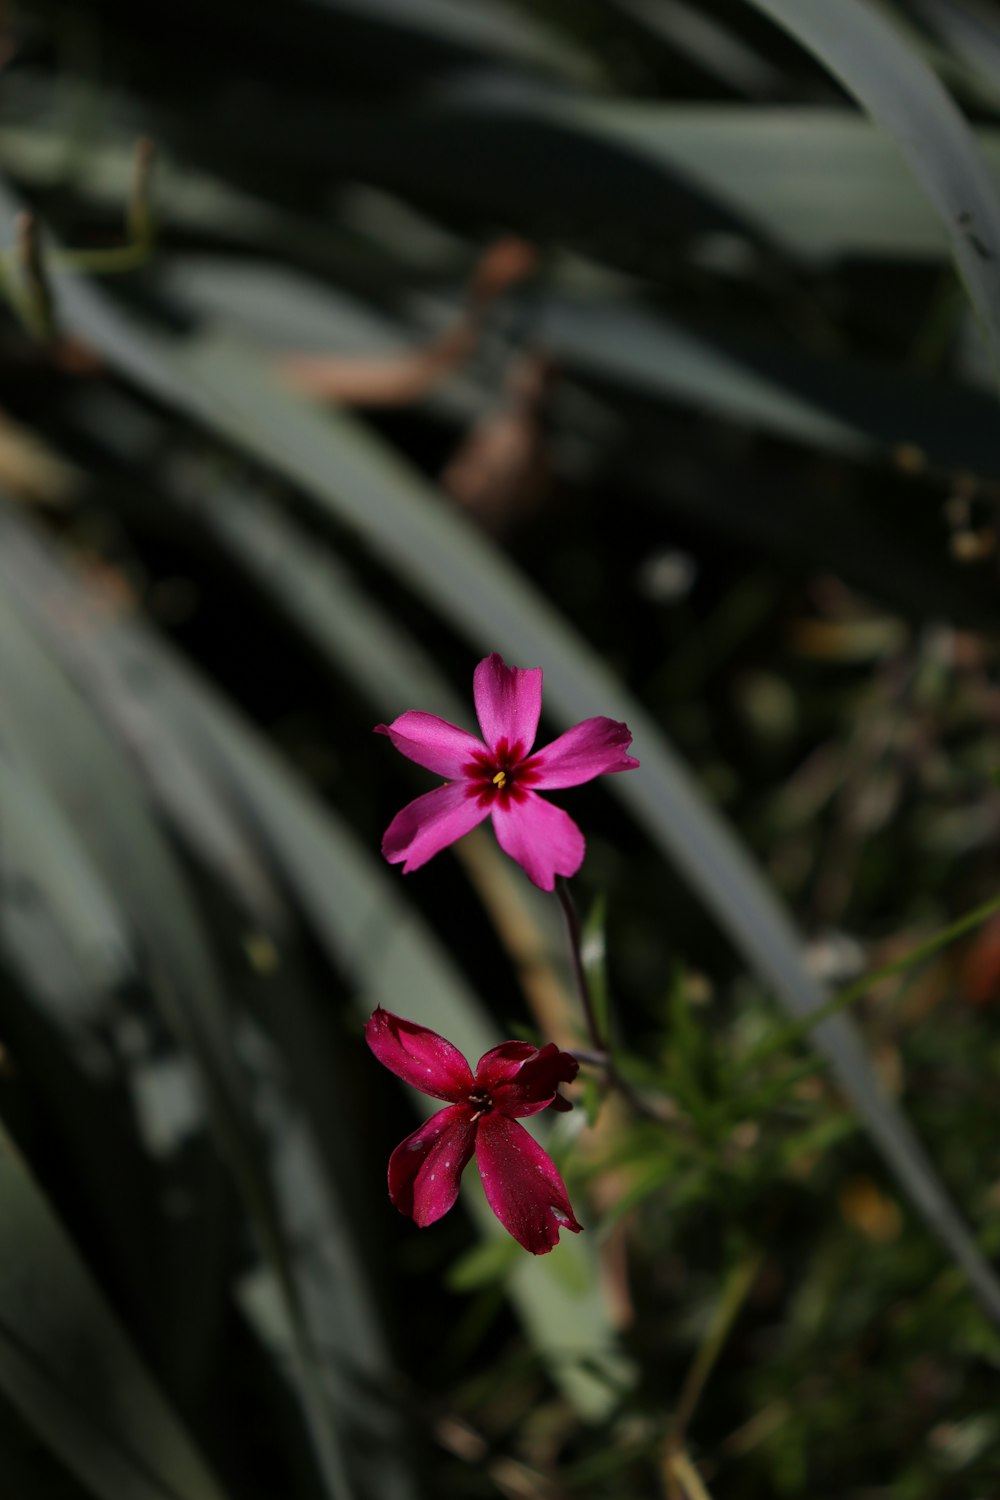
[351, 475]
[67, 1367]
[69, 929]
[902, 95]
[130, 849]
[362, 484]
[367, 927]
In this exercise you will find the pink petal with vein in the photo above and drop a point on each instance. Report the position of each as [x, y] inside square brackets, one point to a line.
[508, 702]
[425, 1169]
[430, 824]
[587, 750]
[419, 1056]
[432, 742]
[533, 1087]
[541, 837]
[522, 1185]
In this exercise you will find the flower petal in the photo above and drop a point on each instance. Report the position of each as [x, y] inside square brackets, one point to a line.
[531, 1087]
[541, 837]
[501, 1063]
[430, 824]
[432, 742]
[419, 1056]
[508, 702]
[522, 1185]
[587, 750]
[425, 1169]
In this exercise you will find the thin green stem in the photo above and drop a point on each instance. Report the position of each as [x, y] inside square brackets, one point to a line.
[685, 1473]
[574, 933]
[734, 1293]
[788, 1036]
[104, 262]
[601, 1055]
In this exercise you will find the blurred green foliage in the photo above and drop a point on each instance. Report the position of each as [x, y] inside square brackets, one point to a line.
[614, 337]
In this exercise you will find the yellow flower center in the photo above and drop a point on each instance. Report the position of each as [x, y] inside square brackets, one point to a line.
[500, 780]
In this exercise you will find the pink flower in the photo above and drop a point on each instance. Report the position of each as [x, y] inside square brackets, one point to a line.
[515, 1079]
[499, 776]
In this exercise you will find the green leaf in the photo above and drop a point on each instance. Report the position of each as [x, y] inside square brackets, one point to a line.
[690, 1059]
[817, 182]
[633, 350]
[129, 850]
[371, 931]
[366, 925]
[67, 1367]
[503, 33]
[489, 1261]
[899, 91]
[59, 923]
[678, 171]
[350, 475]
[690, 30]
[348, 472]
[593, 1096]
[818, 1139]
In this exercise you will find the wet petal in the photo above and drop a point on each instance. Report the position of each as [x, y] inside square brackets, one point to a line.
[419, 1056]
[425, 1170]
[523, 1079]
[508, 702]
[502, 1062]
[533, 1086]
[432, 742]
[541, 837]
[430, 824]
[587, 750]
[522, 1185]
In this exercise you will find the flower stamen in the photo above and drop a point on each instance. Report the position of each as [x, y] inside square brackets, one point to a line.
[523, 1186]
[481, 1102]
[501, 776]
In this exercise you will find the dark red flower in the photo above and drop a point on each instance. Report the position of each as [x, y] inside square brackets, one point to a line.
[521, 1182]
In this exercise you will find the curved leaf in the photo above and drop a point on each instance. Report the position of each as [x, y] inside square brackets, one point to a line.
[356, 480]
[67, 1367]
[367, 927]
[901, 94]
[353, 475]
[130, 850]
[69, 935]
[707, 42]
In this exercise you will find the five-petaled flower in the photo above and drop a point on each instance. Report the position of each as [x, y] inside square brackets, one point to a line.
[500, 776]
[521, 1182]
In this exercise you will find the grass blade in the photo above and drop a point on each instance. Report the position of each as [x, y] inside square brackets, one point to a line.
[344, 468]
[69, 937]
[899, 91]
[67, 1367]
[351, 475]
[130, 851]
[366, 926]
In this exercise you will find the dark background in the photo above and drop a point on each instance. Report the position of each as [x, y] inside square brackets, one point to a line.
[614, 337]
